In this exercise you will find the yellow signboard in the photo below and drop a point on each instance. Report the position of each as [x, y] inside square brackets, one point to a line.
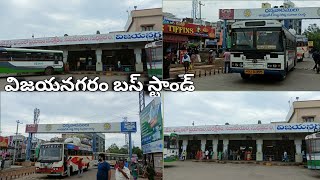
[310, 43]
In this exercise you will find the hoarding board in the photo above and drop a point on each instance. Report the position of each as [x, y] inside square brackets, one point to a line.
[271, 13]
[151, 127]
[189, 29]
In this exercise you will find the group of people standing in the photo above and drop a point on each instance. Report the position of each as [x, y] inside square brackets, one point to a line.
[123, 170]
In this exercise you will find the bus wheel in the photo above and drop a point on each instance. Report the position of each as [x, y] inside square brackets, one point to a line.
[245, 76]
[48, 71]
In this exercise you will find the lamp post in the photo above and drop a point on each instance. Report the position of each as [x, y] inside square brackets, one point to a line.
[15, 143]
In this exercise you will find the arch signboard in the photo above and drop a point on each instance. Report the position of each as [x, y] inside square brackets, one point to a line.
[271, 13]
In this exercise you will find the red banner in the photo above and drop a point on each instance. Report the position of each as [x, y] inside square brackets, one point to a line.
[174, 38]
[189, 29]
[226, 13]
[31, 128]
[4, 141]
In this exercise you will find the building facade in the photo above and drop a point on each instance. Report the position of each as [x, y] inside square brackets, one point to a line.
[265, 141]
[103, 52]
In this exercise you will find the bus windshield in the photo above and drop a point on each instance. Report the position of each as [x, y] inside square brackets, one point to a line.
[242, 39]
[50, 152]
[269, 40]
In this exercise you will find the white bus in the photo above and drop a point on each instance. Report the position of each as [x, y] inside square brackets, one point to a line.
[111, 158]
[22, 61]
[154, 54]
[302, 47]
[171, 148]
[313, 151]
[262, 47]
[53, 156]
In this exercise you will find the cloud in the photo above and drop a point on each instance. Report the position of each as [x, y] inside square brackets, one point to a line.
[218, 108]
[210, 10]
[66, 107]
[23, 18]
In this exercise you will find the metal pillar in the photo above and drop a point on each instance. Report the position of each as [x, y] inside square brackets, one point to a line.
[29, 147]
[94, 148]
[15, 144]
[224, 43]
[130, 147]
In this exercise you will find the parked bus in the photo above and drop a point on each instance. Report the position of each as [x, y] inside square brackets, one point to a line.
[302, 47]
[262, 48]
[154, 54]
[111, 158]
[171, 148]
[313, 151]
[21, 61]
[53, 156]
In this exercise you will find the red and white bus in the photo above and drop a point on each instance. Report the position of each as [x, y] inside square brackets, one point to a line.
[302, 47]
[53, 156]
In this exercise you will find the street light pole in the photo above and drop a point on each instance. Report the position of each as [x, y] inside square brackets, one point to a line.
[15, 143]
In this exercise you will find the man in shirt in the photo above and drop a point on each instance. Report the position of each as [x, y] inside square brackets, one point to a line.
[207, 154]
[226, 56]
[122, 172]
[186, 62]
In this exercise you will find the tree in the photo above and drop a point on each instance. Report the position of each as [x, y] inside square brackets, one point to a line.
[113, 148]
[137, 151]
[313, 34]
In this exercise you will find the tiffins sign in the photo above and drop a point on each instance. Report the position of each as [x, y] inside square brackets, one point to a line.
[4, 141]
[243, 129]
[189, 29]
[115, 127]
[271, 13]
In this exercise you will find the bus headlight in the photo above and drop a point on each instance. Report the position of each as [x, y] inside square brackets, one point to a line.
[274, 65]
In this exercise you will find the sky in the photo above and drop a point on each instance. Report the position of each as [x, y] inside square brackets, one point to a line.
[22, 18]
[70, 107]
[218, 108]
[210, 10]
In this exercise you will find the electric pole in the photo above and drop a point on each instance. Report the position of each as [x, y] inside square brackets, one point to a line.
[200, 4]
[15, 143]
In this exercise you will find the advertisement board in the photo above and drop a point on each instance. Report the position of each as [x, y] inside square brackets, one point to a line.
[114, 127]
[245, 129]
[189, 29]
[226, 13]
[151, 127]
[278, 13]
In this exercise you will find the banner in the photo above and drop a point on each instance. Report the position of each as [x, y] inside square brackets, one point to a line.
[4, 141]
[189, 29]
[138, 36]
[115, 127]
[277, 13]
[226, 13]
[151, 127]
[245, 129]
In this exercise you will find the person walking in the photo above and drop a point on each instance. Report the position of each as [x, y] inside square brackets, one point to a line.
[122, 172]
[135, 170]
[316, 58]
[285, 156]
[166, 66]
[184, 155]
[238, 155]
[226, 56]
[80, 170]
[207, 154]
[186, 62]
[104, 171]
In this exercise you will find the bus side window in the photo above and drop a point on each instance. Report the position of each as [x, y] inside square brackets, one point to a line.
[4, 56]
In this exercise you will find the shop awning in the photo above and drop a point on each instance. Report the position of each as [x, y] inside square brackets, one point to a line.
[175, 38]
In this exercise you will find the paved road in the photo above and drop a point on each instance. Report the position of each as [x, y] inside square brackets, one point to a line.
[189, 170]
[87, 175]
[102, 78]
[301, 78]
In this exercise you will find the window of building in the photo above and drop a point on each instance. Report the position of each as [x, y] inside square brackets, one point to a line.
[308, 119]
[147, 28]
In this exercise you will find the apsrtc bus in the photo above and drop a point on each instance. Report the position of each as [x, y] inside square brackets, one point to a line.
[262, 47]
[53, 156]
[313, 151]
[15, 61]
[171, 148]
[302, 47]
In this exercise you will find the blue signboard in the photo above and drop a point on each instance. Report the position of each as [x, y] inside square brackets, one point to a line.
[128, 127]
